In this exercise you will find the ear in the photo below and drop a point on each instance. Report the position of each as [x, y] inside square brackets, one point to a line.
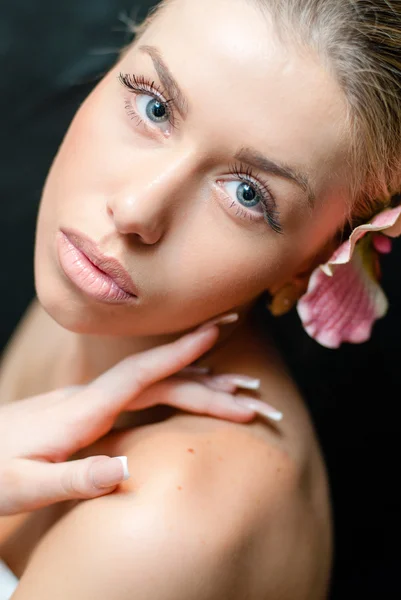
[284, 296]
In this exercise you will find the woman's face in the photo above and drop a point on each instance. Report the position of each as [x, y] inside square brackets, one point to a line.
[214, 172]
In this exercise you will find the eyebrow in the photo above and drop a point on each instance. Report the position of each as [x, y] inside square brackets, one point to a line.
[167, 79]
[249, 155]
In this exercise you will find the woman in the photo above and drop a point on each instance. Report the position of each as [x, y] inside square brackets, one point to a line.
[228, 154]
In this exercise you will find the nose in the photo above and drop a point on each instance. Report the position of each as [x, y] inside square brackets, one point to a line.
[142, 206]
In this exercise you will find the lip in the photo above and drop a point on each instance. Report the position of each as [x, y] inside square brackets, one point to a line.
[98, 275]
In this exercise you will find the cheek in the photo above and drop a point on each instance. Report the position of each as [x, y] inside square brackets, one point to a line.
[91, 153]
[224, 270]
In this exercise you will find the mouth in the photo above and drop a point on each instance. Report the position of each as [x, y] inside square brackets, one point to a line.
[99, 276]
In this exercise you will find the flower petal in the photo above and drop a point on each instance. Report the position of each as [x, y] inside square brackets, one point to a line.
[381, 243]
[342, 307]
[388, 220]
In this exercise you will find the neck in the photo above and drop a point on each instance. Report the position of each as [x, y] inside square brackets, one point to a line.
[80, 358]
[95, 354]
[92, 355]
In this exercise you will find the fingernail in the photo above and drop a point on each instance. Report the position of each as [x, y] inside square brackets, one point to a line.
[241, 381]
[225, 320]
[109, 472]
[259, 407]
[124, 462]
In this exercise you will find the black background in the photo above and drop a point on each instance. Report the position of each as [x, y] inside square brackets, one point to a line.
[51, 55]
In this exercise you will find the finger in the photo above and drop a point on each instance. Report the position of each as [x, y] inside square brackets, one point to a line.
[135, 373]
[28, 485]
[194, 397]
[91, 413]
[38, 403]
[30, 426]
[71, 390]
[82, 418]
[142, 370]
[214, 383]
[229, 382]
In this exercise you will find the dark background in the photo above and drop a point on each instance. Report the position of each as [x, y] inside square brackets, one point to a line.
[51, 55]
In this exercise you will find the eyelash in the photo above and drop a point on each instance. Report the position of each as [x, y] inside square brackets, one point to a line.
[270, 212]
[142, 85]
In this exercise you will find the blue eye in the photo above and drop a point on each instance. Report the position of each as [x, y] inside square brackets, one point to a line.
[149, 103]
[252, 198]
[156, 110]
[247, 195]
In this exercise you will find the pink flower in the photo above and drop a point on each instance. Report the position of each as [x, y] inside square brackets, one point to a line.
[344, 299]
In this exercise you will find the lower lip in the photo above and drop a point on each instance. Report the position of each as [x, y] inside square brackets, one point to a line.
[88, 278]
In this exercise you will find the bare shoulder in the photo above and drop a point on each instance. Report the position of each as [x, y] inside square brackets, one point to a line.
[271, 479]
[256, 497]
[212, 509]
[243, 506]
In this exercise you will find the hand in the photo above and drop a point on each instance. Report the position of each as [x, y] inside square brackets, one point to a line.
[39, 433]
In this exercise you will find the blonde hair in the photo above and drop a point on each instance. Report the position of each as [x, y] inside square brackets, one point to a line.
[360, 42]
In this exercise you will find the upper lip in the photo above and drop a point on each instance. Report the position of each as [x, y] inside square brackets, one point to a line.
[109, 265]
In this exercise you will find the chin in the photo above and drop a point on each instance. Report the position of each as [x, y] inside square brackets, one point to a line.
[75, 313]
[82, 315]
[66, 312]
[73, 310]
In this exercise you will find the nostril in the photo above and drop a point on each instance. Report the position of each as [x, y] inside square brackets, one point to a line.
[137, 238]
[142, 239]
[141, 222]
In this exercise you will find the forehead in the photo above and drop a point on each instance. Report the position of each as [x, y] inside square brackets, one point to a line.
[247, 87]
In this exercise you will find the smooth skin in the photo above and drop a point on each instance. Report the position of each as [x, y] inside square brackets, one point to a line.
[212, 509]
[39, 433]
[252, 517]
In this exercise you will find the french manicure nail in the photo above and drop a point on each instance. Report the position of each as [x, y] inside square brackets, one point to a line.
[109, 472]
[259, 407]
[124, 461]
[241, 381]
